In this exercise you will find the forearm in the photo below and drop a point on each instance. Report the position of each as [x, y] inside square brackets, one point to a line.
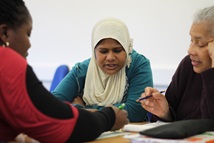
[67, 89]
[90, 125]
[87, 127]
[208, 94]
[135, 112]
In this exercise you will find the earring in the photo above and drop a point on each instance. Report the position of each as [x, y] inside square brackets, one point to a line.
[7, 44]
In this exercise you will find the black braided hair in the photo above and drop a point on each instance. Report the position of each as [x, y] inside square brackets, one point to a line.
[13, 13]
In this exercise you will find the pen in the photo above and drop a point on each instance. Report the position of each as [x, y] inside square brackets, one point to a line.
[122, 106]
[148, 96]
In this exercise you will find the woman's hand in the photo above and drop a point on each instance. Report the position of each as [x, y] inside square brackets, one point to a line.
[92, 110]
[157, 104]
[121, 118]
[210, 49]
[78, 100]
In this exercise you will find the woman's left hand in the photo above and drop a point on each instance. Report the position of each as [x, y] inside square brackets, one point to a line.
[157, 104]
[78, 100]
[92, 110]
[210, 49]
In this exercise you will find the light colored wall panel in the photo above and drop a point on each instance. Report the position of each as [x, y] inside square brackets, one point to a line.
[62, 31]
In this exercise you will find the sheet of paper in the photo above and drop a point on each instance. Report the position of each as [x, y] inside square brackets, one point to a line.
[138, 128]
[110, 134]
[207, 137]
[142, 139]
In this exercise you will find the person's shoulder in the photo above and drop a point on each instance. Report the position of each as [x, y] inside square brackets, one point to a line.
[138, 58]
[138, 63]
[186, 62]
[14, 64]
[9, 55]
[186, 59]
[81, 67]
[137, 55]
[185, 67]
[83, 64]
[6, 51]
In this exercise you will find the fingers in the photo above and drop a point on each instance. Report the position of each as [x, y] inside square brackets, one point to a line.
[211, 41]
[78, 100]
[153, 103]
[211, 51]
[148, 105]
[147, 94]
[121, 118]
[125, 114]
[150, 90]
[156, 103]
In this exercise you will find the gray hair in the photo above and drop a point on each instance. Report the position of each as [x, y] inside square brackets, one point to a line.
[205, 15]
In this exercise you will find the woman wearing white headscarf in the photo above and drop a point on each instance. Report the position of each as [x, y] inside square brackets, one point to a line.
[115, 73]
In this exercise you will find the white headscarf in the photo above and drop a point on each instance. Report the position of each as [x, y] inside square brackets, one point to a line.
[100, 88]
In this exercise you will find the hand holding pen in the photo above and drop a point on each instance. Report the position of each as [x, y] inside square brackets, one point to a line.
[210, 48]
[121, 118]
[122, 106]
[142, 98]
[158, 105]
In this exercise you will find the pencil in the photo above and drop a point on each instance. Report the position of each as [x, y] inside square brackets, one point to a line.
[148, 96]
[122, 106]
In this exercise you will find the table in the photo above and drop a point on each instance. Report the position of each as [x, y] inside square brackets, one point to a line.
[117, 139]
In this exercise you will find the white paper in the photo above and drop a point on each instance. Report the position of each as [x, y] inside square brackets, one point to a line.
[200, 138]
[110, 134]
[138, 128]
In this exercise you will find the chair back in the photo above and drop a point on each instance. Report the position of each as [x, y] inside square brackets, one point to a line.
[60, 73]
[149, 116]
